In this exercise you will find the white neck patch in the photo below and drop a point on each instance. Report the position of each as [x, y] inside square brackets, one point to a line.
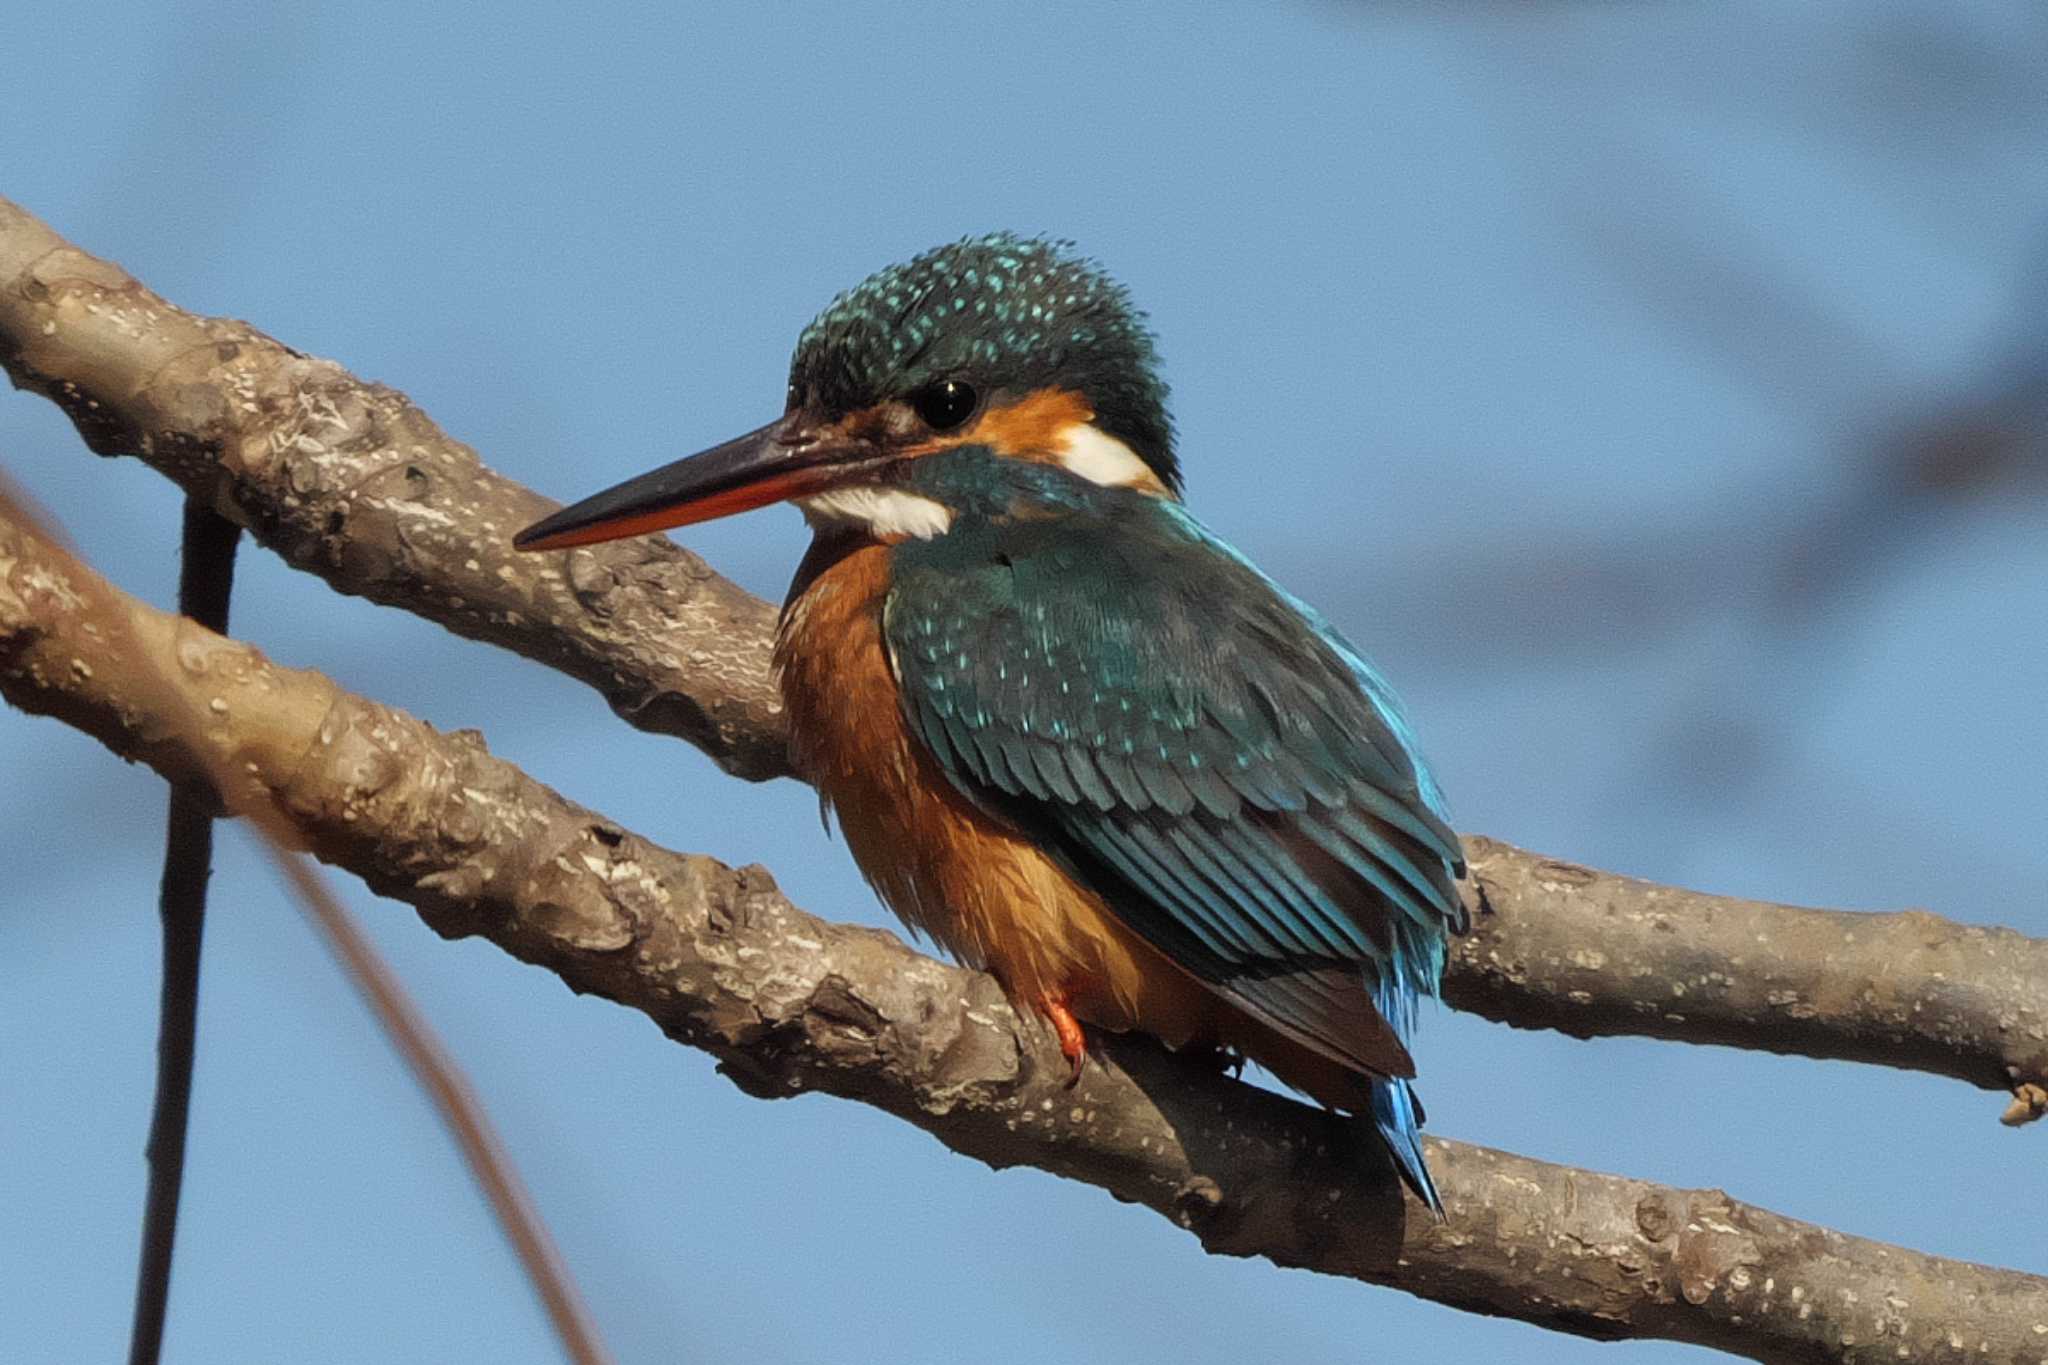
[1092, 453]
[883, 512]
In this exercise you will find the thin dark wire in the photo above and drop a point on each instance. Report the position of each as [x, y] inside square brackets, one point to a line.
[205, 581]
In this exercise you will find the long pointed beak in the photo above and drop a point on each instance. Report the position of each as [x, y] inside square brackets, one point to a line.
[778, 462]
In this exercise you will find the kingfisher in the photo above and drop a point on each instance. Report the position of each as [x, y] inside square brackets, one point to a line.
[1066, 730]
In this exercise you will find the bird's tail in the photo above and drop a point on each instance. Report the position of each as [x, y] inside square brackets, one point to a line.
[1398, 1117]
[1396, 1113]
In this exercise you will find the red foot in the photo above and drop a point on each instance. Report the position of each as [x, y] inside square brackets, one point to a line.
[1073, 1044]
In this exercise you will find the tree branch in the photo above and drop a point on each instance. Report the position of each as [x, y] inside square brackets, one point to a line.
[163, 700]
[350, 481]
[718, 958]
[206, 578]
[1593, 954]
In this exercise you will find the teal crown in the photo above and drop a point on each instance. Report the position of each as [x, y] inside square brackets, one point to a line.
[1000, 312]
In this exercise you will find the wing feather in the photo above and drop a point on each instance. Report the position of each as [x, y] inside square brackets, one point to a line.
[1197, 745]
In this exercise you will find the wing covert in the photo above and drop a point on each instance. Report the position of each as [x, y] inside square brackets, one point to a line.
[1197, 745]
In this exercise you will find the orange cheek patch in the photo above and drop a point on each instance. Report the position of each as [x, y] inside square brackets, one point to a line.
[1031, 428]
[1040, 428]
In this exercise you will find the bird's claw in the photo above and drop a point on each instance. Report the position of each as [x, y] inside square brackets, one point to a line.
[1073, 1042]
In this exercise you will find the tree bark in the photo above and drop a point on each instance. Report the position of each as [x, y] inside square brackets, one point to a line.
[1592, 953]
[719, 959]
[350, 481]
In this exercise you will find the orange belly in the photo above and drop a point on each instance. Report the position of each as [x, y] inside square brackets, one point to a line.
[989, 895]
[986, 893]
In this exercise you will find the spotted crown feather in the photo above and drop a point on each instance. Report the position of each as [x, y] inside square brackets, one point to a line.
[1004, 312]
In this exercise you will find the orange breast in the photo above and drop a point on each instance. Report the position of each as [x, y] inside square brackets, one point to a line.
[986, 893]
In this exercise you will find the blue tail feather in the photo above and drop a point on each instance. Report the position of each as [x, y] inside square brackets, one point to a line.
[1393, 1114]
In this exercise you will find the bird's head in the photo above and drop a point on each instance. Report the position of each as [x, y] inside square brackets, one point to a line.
[997, 346]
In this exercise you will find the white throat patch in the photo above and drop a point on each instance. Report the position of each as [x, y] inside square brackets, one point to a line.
[1087, 450]
[884, 512]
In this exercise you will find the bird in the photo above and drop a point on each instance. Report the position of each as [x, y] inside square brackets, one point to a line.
[1066, 730]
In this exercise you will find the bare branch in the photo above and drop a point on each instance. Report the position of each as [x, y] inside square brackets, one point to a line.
[349, 480]
[206, 578]
[718, 958]
[1594, 954]
[438, 1073]
[167, 692]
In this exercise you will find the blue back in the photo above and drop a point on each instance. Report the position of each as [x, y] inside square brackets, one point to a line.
[1202, 748]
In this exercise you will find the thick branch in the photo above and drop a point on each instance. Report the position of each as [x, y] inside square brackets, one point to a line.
[790, 1003]
[351, 481]
[180, 714]
[1592, 953]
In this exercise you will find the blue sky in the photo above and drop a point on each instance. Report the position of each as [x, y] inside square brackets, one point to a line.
[1561, 352]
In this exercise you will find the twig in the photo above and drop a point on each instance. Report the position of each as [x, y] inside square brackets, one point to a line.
[441, 1077]
[206, 579]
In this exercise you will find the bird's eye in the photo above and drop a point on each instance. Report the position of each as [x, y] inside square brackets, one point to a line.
[944, 405]
[790, 405]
